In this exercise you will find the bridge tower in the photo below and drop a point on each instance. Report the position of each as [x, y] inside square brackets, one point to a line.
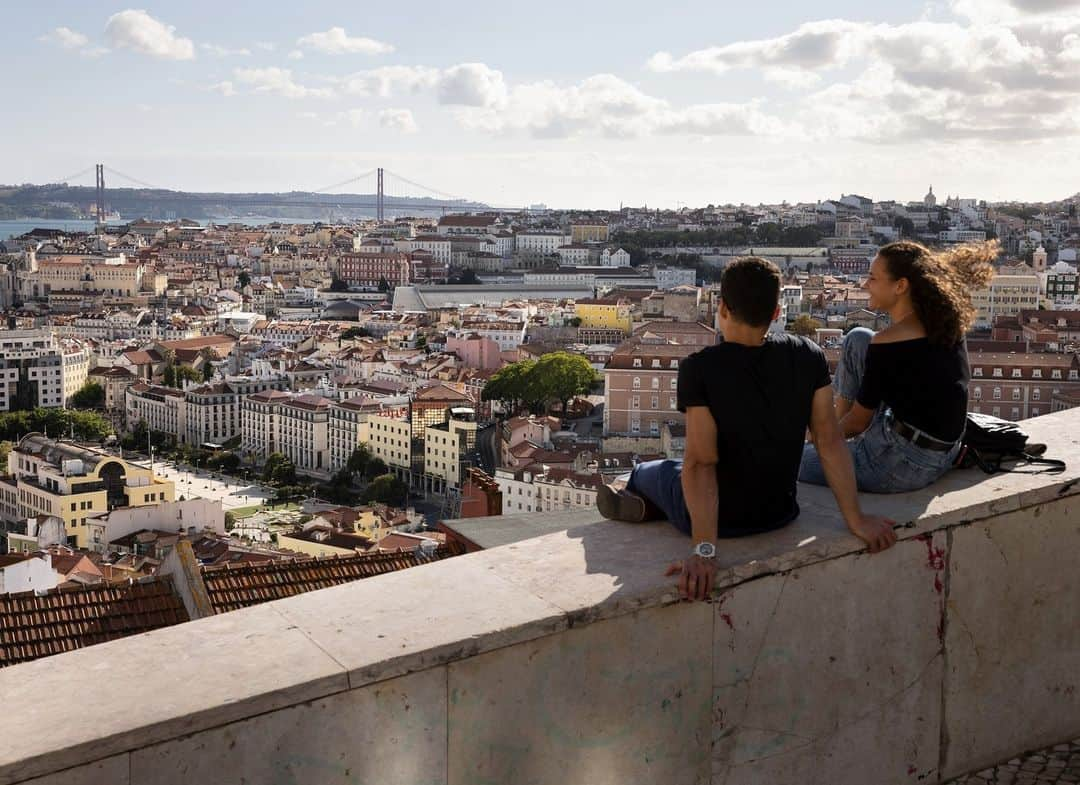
[379, 197]
[99, 192]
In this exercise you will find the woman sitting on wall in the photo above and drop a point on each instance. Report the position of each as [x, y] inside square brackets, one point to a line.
[902, 393]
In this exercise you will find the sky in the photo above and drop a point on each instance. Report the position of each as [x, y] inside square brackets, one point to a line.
[587, 105]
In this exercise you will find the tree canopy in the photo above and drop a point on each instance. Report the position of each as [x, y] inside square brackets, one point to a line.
[385, 488]
[85, 425]
[805, 325]
[556, 376]
[90, 396]
[279, 470]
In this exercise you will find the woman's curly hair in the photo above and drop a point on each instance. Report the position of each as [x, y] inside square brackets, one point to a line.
[941, 283]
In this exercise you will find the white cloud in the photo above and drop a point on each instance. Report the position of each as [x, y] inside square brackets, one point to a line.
[65, 38]
[265, 46]
[296, 54]
[278, 81]
[142, 33]
[336, 41]
[355, 117]
[1011, 75]
[608, 105]
[388, 80]
[226, 88]
[400, 120]
[471, 84]
[223, 51]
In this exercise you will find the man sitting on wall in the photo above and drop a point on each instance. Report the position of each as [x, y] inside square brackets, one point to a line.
[748, 401]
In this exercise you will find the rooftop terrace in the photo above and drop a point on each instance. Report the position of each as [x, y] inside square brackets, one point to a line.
[567, 658]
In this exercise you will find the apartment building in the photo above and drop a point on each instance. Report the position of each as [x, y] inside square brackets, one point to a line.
[390, 439]
[447, 450]
[161, 408]
[211, 414]
[39, 369]
[304, 433]
[1012, 290]
[1018, 385]
[641, 378]
[369, 270]
[260, 423]
[606, 314]
[75, 483]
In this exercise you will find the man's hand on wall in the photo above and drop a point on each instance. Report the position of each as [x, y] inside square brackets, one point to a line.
[877, 532]
[696, 577]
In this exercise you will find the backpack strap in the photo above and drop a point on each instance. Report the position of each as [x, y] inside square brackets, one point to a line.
[993, 465]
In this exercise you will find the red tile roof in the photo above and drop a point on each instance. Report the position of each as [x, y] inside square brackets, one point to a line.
[231, 588]
[64, 619]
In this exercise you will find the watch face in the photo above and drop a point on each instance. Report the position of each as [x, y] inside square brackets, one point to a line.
[705, 549]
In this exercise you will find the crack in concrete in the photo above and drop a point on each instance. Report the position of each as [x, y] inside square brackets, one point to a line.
[840, 728]
[764, 641]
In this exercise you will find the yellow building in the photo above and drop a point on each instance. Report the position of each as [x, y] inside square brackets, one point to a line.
[447, 447]
[319, 541]
[589, 233]
[606, 313]
[76, 483]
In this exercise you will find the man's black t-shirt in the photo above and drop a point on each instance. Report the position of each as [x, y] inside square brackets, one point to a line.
[760, 398]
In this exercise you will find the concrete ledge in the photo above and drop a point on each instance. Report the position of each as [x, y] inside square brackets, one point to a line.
[784, 696]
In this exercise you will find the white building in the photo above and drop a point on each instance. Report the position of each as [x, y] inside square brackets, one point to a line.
[29, 573]
[163, 409]
[670, 277]
[211, 414]
[540, 243]
[39, 369]
[614, 257]
[304, 424]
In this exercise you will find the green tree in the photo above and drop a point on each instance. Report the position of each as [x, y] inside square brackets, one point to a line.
[207, 372]
[376, 468]
[421, 342]
[385, 488]
[805, 325]
[185, 373]
[359, 460]
[562, 376]
[351, 333]
[509, 385]
[169, 376]
[5, 450]
[230, 520]
[90, 396]
[338, 285]
[244, 278]
[279, 470]
[384, 285]
[88, 426]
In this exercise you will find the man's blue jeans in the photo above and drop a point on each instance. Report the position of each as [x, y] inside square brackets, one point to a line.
[661, 483]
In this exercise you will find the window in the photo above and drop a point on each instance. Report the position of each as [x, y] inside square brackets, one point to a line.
[655, 383]
[1015, 413]
[655, 363]
[1016, 373]
[1056, 373]
[1016, 394]
[637, 382]
[1036, 394]
[1035, 412]
[997, 411]
[656, 402]
[637, 362]
[977, 394]
[997, 372]
[635, 402]
[1036, 373]
[997, 393]
[976, 372]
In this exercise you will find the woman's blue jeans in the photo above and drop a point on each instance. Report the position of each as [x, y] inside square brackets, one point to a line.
[885, 462]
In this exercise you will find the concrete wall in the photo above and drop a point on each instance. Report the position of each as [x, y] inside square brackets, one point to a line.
[567, 659]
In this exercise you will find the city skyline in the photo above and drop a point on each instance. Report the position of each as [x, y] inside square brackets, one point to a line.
[511, 107]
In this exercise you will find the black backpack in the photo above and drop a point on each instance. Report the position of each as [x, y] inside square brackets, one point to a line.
[990, 441]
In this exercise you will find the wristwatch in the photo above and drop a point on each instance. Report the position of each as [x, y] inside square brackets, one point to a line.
[705, 550]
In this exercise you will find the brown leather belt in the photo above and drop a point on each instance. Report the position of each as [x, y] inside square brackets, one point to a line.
[920, 439]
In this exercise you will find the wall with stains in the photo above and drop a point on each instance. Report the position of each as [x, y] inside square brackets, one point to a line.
[568, 659]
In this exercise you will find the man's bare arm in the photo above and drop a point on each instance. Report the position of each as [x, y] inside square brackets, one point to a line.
[875, 531]
[699, 473]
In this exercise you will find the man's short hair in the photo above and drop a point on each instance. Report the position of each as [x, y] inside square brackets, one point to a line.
[750, 288]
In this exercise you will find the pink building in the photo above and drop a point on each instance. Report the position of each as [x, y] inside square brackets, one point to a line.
[476, 351]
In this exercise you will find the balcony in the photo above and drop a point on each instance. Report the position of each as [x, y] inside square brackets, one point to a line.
[566, 658]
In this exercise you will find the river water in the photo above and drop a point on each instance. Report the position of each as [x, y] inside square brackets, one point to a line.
[9, 229]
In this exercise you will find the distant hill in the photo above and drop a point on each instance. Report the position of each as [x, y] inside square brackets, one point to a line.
[63, 201]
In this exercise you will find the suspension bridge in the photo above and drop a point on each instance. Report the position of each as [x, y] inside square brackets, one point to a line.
[389, 192]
